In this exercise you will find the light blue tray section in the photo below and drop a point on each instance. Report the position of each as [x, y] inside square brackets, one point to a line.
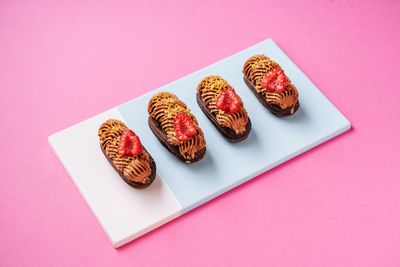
[271, 142]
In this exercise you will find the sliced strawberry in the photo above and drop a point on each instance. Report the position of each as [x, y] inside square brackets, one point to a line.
[274, 80]
[228, 101]
[129, 144]
[184, 127]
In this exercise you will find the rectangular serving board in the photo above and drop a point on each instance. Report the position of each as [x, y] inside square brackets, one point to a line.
[126, 213]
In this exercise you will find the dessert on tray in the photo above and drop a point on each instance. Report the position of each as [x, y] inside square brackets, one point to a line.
[224, 108]
[176, 128]
[123, 149]
[270, 85]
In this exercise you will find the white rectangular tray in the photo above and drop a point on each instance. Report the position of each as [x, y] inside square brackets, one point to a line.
[126, 213]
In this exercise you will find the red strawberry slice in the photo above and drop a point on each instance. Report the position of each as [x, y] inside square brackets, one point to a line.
[184, 127]
[129, 144]
[228, 101]
[274, 80]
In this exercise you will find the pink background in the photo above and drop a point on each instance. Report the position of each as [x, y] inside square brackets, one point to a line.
[337, 205]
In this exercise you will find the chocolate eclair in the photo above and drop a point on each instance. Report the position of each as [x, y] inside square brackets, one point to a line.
[123, 149]
[176, 128]
[270, 85]
[224, 108]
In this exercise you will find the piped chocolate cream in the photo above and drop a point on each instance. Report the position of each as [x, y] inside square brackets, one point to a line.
[137, 170]
[209, 90]
[280, 103]
[163, 108]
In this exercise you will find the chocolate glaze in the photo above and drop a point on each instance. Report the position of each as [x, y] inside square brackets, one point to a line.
[162, 137]
[131, 182]
[274, 109]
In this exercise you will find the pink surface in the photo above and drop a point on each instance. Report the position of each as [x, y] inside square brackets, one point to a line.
[63, 62]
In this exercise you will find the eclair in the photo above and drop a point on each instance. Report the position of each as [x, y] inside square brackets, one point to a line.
[124, 151]
[224, 108]
[267, 80]
[176, 127]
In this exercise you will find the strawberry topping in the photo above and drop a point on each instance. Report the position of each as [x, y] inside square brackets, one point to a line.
[184, 127]
[129, 144]
[228, 101]
[274, 80]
